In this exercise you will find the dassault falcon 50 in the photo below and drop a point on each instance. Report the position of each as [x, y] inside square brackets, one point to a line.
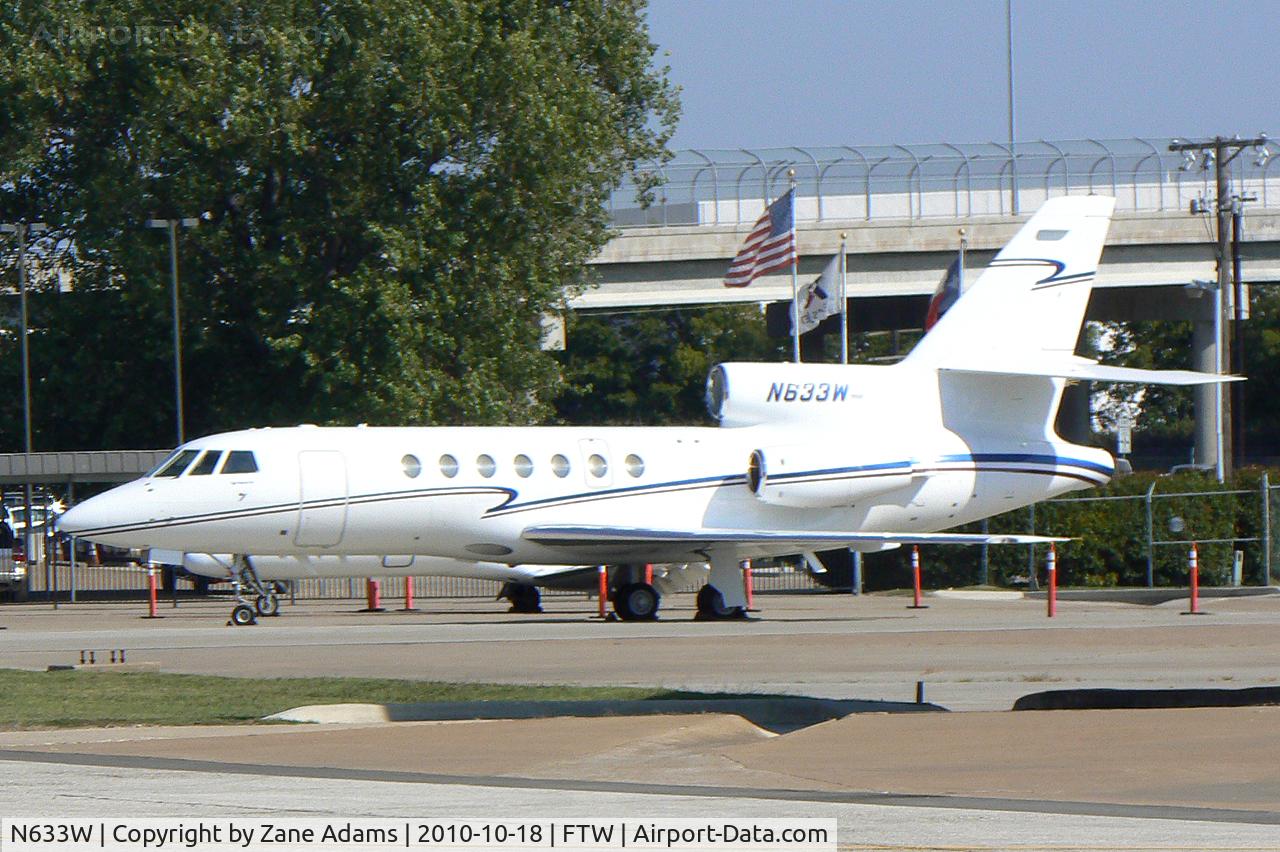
[805, 457]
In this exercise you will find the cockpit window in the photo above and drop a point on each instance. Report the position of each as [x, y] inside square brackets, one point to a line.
[240, 461]
[163, 464]
[177, 464]
[208, 463]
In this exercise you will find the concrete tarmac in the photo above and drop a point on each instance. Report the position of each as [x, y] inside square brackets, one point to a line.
[971, 654]
[1178, 779]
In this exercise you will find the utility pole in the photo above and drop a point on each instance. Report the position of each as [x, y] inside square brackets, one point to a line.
[20, 230]
[1241, 302]
[1218, 152]
[172, 225]
[1013, 158]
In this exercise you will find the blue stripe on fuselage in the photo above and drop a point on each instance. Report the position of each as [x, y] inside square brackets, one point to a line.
[511, 504]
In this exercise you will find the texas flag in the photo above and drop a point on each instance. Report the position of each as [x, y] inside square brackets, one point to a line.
[945, 296]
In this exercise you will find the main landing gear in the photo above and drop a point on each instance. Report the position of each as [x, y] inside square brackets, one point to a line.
[633, 594]
[635, 599]
[724, 595]
[636, 602]
[711, 606]
[524, 598]
[267, 597]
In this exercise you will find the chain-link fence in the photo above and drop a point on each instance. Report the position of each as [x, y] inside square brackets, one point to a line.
[1140, 536]
[871, 182]
[85, 580]
[1230, 528]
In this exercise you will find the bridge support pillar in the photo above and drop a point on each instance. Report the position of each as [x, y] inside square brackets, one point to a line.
[1204, 358]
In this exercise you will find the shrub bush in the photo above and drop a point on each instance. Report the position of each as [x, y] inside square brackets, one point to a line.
[1108, 544]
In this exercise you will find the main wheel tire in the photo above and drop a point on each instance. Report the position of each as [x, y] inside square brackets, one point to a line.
[243, 615]
[636, 602]
[267, 605]
[526, 599]
[711, 605]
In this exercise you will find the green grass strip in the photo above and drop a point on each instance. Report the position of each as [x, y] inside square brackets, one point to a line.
[64, 699]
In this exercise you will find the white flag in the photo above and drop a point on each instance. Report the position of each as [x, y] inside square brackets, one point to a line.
[820, 298]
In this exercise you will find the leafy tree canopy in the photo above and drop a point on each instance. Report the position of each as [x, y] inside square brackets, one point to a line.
[649, 367]
[1165, 416]
[392, 193]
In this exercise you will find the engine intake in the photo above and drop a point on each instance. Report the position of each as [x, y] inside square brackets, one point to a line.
[750, 394]
[808, 476]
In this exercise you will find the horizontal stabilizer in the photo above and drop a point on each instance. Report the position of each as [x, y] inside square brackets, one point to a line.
[594, 536]
[1083, 369]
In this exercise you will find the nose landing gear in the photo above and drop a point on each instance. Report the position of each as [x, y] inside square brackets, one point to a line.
[266, 602]
[243, 615]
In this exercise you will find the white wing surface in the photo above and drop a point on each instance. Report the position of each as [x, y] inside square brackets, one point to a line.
[566, 535]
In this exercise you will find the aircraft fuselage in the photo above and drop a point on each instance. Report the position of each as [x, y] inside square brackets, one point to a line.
[469, 492]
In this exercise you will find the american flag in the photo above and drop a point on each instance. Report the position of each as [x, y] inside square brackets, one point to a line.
[770, 246]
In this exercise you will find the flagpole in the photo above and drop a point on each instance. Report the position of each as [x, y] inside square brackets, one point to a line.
[844, 304]
[795, 285]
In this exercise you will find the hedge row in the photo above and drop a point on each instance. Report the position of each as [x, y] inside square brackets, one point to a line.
[1108, 544]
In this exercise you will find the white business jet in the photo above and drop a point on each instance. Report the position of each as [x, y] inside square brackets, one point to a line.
[806, 457]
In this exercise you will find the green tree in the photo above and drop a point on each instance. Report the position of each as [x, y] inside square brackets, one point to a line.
[1166, 415]
[649, 367]
[392, 192]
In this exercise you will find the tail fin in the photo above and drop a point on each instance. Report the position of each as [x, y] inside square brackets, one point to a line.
[1030, 301]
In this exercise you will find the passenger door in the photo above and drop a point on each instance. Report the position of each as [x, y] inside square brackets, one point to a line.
[322, 498]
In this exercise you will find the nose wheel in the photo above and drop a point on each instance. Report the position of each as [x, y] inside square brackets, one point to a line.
[267, 597]
[243, 615]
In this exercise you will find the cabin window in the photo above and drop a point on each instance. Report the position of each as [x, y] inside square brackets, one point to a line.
[178, 464]
[448, 466]
[597, 465]
[560, 465]
[411, 466]
[635, 465]
[523, 465]
[240, 461]
[207, 464]
[486, 465]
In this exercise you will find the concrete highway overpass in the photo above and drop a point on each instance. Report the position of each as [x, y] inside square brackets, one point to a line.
[903, 207]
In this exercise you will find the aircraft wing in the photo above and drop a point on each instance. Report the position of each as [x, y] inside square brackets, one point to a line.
[1083, 369]
[567, 535]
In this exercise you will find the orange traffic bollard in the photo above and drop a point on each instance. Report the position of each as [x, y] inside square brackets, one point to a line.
[1051, 566]
[151, 593]
[915, 580]
[747, 581]
[603, 590]
[1193, 567]
[372, 596]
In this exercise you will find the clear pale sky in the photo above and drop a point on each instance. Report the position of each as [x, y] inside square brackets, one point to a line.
[869, 72]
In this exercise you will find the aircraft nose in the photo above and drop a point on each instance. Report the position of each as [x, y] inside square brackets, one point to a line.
[85, 518]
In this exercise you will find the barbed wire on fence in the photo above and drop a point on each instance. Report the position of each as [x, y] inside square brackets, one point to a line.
[916, 181]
